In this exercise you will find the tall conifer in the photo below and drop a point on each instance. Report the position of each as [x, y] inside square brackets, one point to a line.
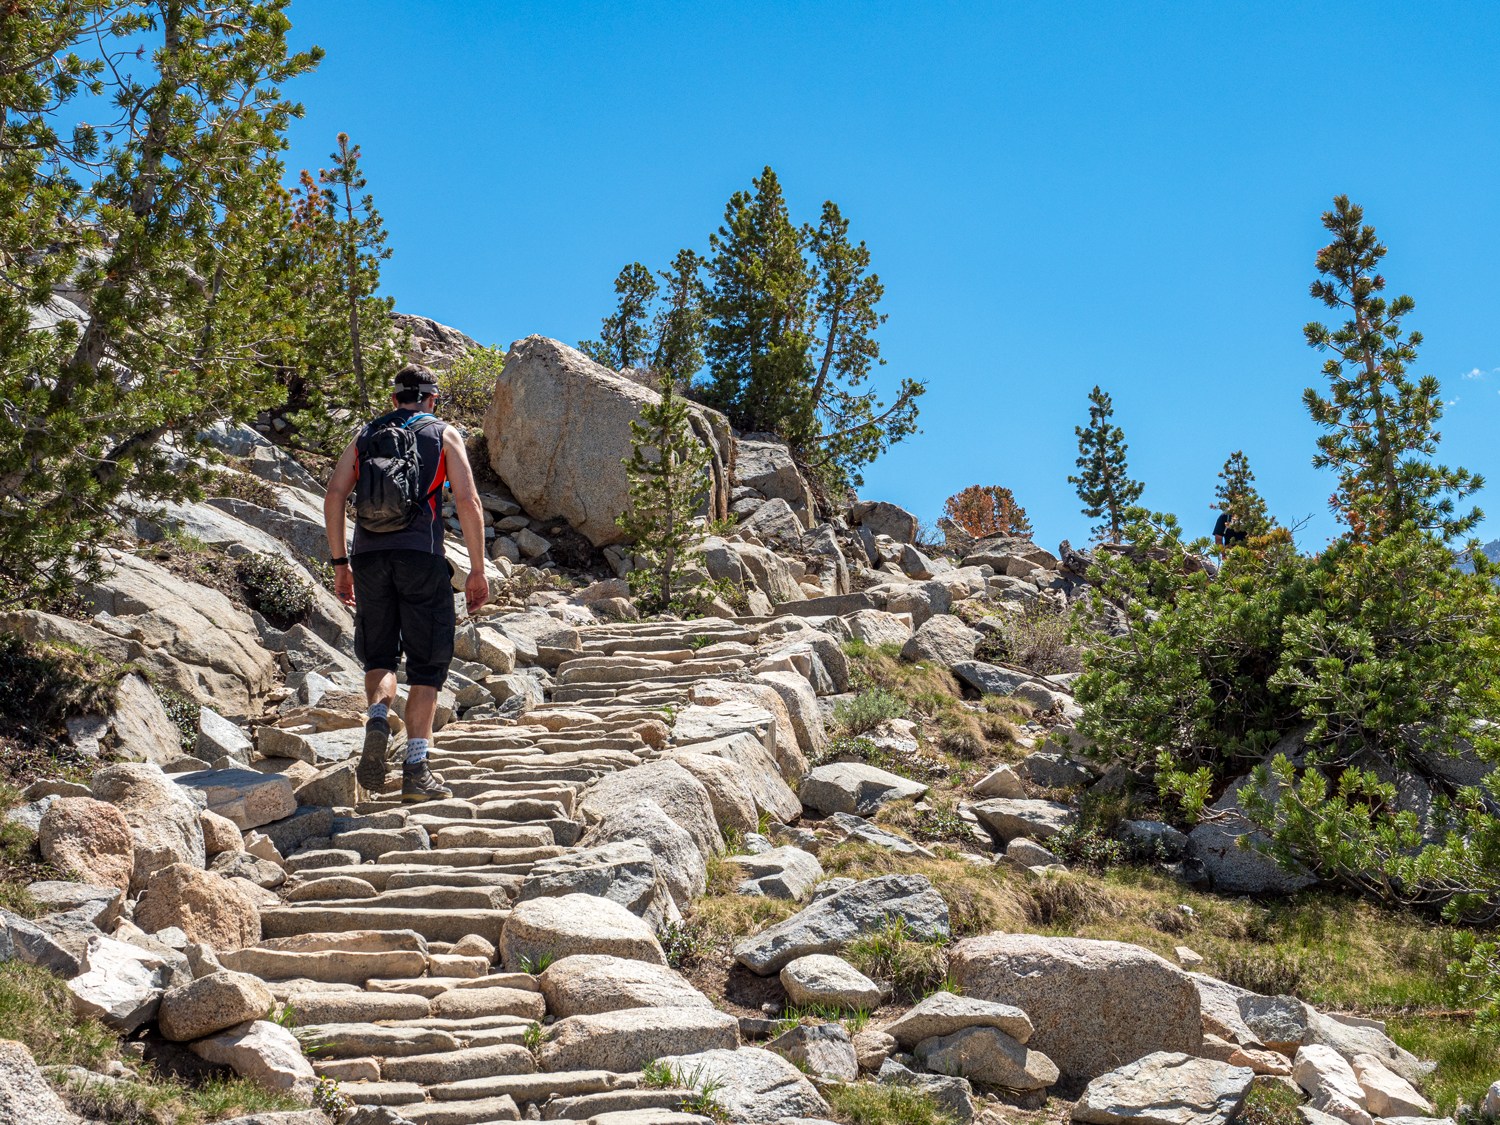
[1104, 483]
[1381, 424]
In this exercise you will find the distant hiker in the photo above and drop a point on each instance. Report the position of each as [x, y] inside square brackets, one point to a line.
[1227, 532]
[396, 575]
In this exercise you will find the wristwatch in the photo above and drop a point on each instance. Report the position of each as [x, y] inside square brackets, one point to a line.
[342, 560]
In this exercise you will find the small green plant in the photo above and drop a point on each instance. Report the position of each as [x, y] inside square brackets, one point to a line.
[329, 1096]
[1271, 1104]
[657, 1075]
[703, 1091]
[469, 384]
[534, 966]
[531, 1038]
[1087, 846]
[686, 944]
[274, 588]
[868, 710]
[184, 715]
[699, 642]
[285, 1016]
[793, 1015]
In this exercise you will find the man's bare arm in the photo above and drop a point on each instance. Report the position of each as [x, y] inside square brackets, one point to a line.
[340, 485]
[470, 516]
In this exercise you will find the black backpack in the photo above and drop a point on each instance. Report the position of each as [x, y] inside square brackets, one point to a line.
[388, 493]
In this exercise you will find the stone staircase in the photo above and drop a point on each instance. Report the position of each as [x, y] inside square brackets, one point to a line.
[387, 950]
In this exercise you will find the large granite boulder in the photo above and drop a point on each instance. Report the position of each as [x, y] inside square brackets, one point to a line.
[89, 840]
[163, 817]
[766, 465]
[1095, 1005]
[202, 643]
[1166, 1088]
[829, 923]
[558, 429]
[206, 906]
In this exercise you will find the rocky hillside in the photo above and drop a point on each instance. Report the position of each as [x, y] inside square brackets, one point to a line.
[817, 857]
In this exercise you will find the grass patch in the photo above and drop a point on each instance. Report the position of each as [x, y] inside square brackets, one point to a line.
[1271, 1105]
[874, 1103]
[853, 1019]
[36, 1009]
[235, 484]
[980, 899]
[911, 966]
[1466, 1062]
[172, 1102]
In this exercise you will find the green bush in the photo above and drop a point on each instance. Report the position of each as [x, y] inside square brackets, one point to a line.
[274, 588]
[868, 710]
[912, 967]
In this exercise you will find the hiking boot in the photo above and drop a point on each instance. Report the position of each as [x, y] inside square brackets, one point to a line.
[371, 773]
[418, 783]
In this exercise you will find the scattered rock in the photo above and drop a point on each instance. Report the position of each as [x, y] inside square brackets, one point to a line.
[945, 1013]
[1091, 1002]
[26, 1098]
[260, 1050]
[779, 873]
[1166, 1088]
[122, 985]
[755, 1086]
[206, 906]
[575, 923]
[623, 1041]
[591, 984]
[212, 1003]
[943, 640]
[1331, 1084]
[89, 840]
[1009, 817]
[853, 787]
[163, 818]
[825, 980]
[828, 923]
[987, 1055]
[823, 1050]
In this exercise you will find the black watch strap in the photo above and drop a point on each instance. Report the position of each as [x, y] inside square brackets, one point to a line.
[343, 560]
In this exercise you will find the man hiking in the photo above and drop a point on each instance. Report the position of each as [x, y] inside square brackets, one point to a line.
[396, 575]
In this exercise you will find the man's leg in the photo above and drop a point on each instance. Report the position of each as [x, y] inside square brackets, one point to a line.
[377, 645]
[427, 625]
[380, 695]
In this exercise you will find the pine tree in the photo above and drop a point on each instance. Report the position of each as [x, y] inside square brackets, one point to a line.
[985, 510]
[758, 338]
[1382, 425]
[329, 261]
[1236, 494]
[677, 329]
[625, 335]
[159, 217]
[1104, 484]
[850, 427]
[669, 482]
[362, 236]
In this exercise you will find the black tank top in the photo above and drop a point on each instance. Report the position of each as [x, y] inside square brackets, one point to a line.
[426, 531]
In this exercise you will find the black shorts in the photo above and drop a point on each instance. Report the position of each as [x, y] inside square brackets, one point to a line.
[403, 603]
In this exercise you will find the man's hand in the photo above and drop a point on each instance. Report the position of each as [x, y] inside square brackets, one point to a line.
[476, 590]
[343, 584]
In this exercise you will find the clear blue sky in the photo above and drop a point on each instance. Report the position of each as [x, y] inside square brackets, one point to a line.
[1054, 195]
